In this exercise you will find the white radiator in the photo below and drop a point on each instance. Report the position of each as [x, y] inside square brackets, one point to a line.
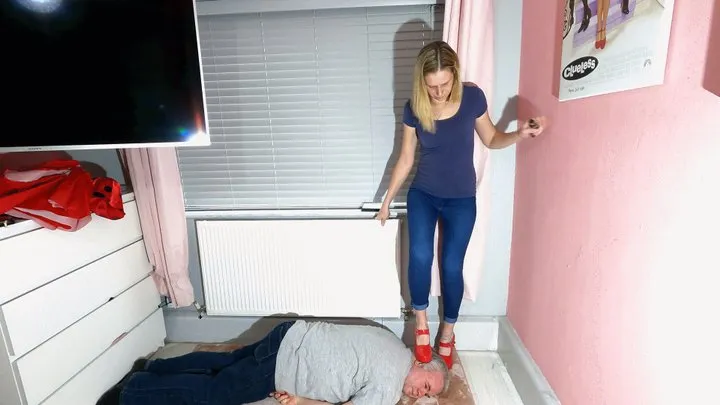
[308, 267]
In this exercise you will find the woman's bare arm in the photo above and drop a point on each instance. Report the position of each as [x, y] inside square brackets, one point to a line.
[494, 139]
[404, 164]
[491, 137]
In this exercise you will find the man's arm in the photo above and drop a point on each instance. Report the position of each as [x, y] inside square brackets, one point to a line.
[286, 399]
[364, 396]
[305, 401]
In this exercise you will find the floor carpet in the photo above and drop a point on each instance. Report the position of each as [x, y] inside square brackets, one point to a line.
[458, 393]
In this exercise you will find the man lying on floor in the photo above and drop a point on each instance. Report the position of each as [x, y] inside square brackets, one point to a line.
[298, 362]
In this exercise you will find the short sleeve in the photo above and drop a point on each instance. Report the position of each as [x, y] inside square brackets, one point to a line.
[376, 394]
[478, 100]
[409, 117]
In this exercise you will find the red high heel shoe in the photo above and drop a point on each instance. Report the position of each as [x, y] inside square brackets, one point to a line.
[448, 345]
[423, 353]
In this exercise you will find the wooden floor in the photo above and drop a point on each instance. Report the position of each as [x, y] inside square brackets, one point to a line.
[488, 379]
[485, 373]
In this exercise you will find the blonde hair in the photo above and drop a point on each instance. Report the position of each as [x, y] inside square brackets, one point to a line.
[433, 57]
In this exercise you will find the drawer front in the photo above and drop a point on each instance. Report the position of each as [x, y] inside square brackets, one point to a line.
[37, 316]
[35, 258]
[52, 364]
[105, 371]
[10, 393]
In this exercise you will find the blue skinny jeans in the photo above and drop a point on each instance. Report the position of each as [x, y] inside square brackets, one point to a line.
[457, 218]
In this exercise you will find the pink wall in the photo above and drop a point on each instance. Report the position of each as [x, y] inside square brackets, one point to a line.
[712, 69]
[615, 265]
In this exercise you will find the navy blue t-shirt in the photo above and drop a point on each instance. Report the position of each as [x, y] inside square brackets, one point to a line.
[446, 168]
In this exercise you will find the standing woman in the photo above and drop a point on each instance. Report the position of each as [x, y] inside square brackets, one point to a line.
[443, 115]
[603, 8]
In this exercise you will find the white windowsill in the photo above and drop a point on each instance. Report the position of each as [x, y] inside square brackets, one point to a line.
[329, 213]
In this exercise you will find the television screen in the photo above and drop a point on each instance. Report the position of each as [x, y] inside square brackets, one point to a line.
[82, 74]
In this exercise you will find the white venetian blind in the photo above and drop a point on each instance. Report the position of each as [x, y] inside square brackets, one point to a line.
[305, 107]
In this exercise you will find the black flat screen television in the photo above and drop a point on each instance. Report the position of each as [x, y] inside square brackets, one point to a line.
[100, 74]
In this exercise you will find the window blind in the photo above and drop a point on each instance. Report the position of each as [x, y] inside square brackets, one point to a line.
[304, 107]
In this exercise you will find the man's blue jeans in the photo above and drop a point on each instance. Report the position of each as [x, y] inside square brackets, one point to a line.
[201, 378]
[457, 219]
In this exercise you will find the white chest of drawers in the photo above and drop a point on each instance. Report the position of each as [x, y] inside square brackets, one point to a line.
[76, 309]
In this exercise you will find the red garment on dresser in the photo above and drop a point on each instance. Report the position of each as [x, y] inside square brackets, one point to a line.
[106, 199]
[58, 194]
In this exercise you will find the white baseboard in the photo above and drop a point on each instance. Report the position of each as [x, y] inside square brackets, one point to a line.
[530, 383]
[472, 332]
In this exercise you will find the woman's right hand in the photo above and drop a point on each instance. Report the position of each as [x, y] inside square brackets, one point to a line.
[383, 214]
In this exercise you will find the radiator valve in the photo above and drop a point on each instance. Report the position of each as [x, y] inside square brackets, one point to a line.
[200, 309]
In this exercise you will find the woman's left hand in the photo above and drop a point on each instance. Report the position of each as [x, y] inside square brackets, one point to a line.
[532, 127]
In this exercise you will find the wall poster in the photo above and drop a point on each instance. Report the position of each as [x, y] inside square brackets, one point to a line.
[613, 45]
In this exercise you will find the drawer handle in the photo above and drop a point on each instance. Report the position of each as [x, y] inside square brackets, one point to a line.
[119, 338]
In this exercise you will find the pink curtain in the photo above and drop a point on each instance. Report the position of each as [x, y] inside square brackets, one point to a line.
[155, 178]
[469, 29]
